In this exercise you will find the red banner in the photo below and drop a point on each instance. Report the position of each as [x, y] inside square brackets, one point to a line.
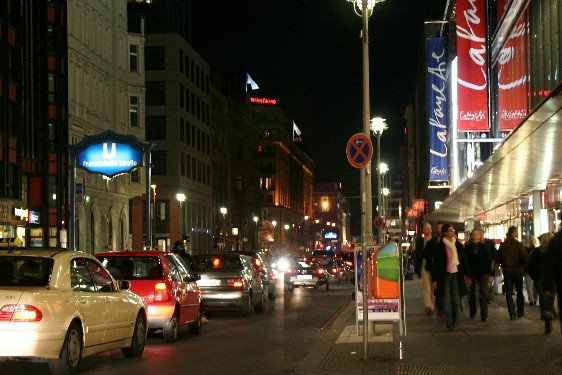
[501, 8]
[512, 78]
[472, 93]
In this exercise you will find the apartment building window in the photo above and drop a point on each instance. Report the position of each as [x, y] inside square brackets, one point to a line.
[134, 111]
[182, 164]
[156, 127]
[182, 97]
[155, 58]
[155, 92]
[159, 163]
[133, 58]
[181, 60]
[188, 133]
[182, 130]
[135, 176]
[188, 166]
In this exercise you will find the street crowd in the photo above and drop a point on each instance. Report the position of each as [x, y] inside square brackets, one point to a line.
[451, 270]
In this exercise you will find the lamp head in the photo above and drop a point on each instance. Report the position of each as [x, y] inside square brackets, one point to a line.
[383, 168]
[180, 197]
[223, 210]
[378, 125]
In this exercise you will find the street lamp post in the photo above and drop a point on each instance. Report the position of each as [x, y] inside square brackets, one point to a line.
[274, 223]
[223, 211]
[256, 237]
[153, 226]
[364, 9]
[378, 125]
[383, 168]
[181, 198]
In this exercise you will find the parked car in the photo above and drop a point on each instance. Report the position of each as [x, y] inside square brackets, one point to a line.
[167, 285]
[229, 281]
[308, 275]
[262, 265]
[60, 306]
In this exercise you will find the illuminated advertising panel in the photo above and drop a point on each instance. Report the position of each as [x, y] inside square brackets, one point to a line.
[438, 112]
[512, 78]
[266, 101]
[472, 80]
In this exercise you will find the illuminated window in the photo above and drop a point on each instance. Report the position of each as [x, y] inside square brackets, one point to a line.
[134, 111]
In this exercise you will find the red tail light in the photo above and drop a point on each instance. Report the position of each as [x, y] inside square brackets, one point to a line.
[320, 271]
[20, 313]
[235, 283]
[289, 271]
[161, 292]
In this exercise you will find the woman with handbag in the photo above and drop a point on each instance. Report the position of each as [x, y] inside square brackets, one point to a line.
[450, 267]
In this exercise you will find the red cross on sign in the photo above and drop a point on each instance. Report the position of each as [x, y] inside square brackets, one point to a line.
[359, 150]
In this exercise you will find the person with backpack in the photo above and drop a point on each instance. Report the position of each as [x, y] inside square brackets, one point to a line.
[536, 270]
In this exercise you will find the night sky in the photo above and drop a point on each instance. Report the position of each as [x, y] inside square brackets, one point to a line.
[307, 55]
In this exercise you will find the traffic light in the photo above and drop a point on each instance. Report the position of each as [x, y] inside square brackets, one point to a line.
[325, 204]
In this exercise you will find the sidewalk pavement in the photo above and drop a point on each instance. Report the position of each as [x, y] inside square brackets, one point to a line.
[497, 346]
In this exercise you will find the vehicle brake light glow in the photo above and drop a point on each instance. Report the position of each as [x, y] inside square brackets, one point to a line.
[216, 262]
[235, 283]
[161, 292]
[20, 313]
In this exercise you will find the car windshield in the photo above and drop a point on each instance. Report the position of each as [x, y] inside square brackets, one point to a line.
[25, 271]
[216, 262]
[133, 268]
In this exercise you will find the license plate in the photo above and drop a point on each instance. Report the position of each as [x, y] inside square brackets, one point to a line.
[208, 282]
[304, 277]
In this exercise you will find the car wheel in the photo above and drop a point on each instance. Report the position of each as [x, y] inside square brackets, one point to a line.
[71, 352]
[259, 306]
[138, 340]
[170, 331]
[195, 327]
[246, 309]
[327, 286]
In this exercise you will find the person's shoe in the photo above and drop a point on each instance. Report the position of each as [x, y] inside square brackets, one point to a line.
[512, 317]
[441, 317]
[428, 311]
[483, 319]
[520, 315]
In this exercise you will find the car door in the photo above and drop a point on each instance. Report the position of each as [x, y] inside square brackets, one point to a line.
[254, 277]
[91, 303]
[119, 315]
[193, 294]
[182, 290]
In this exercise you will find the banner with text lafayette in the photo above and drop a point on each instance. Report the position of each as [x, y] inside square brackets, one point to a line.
[438, 111]
[472, 81]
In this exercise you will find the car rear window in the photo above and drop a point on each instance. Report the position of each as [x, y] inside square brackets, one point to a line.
[216, 262]
[25, 271]
[133, 268]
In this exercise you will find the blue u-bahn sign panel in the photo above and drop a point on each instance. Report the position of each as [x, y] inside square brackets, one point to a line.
[109, 154]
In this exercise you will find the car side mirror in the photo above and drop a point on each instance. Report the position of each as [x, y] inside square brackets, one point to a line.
[193, 278]
[124, 284]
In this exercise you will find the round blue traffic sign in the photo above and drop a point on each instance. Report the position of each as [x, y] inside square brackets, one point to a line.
[359, 150]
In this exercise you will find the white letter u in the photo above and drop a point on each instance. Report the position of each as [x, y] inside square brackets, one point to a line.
[113, 151]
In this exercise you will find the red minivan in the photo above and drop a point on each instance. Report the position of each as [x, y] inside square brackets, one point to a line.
[167, 285]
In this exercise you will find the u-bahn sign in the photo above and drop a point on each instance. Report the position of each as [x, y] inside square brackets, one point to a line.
[109, 154]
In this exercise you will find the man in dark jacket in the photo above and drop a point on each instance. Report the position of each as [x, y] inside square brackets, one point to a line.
[513, 257]
[553, 274]
[480, 260]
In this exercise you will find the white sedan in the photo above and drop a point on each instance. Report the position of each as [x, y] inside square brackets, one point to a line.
[59, 306]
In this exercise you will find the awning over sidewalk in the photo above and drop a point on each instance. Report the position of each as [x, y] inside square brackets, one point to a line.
[529, 157]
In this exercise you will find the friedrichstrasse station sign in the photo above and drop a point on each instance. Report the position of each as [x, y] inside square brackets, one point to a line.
[109, 154]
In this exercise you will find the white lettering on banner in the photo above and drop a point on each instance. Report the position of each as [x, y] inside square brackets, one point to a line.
[472, 115]
[438, 118]
[477, 55]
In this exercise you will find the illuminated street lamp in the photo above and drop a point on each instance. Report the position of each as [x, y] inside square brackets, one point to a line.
[364, 9]
[181, 198]
[256, 219]
[223, 211]
[383, 168]
[378, 126]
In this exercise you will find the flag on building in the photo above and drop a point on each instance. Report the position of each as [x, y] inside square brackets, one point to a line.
[296, 133]
[250, 81]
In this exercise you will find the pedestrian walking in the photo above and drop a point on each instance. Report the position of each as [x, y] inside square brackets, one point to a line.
[448, 269]
[532, 293]
[513, 257]
[553, 274]
[423, 255]
[536, 270]
[480, 262]
[438, 291]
